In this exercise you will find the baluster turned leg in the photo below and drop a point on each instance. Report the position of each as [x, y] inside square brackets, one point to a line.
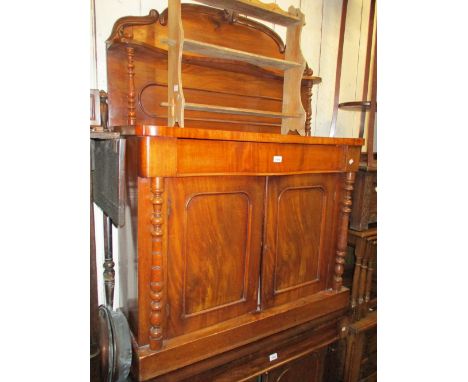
[370, 270]
[343, 231]
[109, 272]
[157, 276]
[359, 252]
[360, 313]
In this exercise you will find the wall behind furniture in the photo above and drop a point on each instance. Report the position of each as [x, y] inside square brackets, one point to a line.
[319, 47]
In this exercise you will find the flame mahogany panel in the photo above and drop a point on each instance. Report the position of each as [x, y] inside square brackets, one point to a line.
[214, 240]
[298, 251]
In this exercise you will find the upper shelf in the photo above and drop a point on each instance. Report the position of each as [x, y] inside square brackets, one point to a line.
[268, 12]
[217, 51]
[233, 110]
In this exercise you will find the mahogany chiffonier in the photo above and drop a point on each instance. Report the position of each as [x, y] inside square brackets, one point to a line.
[232, 252]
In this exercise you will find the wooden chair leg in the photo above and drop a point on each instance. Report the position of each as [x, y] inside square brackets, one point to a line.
[372, 245]
[362, 282]
[354, 350]
[358, 253]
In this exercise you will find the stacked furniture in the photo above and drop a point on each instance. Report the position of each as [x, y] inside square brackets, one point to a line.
[232, 251]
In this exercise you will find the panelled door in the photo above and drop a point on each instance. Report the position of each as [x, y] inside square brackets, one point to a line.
[299, 236]
[214, 249]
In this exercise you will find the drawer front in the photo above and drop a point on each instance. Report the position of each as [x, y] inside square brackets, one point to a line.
[305, 369]
[214, 236]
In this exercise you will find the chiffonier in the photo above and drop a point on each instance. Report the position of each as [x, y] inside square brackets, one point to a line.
[232, 251]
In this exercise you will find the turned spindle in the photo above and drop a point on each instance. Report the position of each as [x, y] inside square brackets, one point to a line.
[343, 231]
[157, 276]
[131, 113]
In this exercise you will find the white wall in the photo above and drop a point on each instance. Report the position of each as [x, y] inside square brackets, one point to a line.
[319, 47]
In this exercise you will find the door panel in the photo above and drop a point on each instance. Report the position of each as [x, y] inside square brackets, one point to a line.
[298, 230]
[215, 228]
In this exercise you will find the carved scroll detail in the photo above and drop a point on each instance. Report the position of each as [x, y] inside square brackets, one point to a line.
[118, 31]
[131, 115]
[157, 279]
[343, 231]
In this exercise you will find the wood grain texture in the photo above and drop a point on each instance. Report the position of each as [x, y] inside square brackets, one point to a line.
[157, 284]
[131, 114]
[360, 363]
[365, 200]
[209, 204]
[343, 230]
[363, 289]
[214, 236]
[265, 11]
[253, 359]
[298, 237]
[308, 368]
[207, 81]
[217, 51]
[197, 346]
[161, 131]
[221, 157]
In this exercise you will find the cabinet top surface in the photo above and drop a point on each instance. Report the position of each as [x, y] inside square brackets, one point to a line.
[194, 133]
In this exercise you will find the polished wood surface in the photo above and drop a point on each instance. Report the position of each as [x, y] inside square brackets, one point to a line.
[253, 359]
[298, 248]
[138, 73]
[199, 299]
[233, 246]
[193, 347]
[293, 64]
[163, 131]
[215, 240]
[305, 369]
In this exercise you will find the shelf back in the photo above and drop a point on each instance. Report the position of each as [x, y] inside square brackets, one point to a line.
[137, 72]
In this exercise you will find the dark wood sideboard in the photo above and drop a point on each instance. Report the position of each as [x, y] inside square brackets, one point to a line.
[232, 252]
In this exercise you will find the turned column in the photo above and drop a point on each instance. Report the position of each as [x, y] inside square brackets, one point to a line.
[306, 96]
[131, 110]
[343, 231]
[370, 271]
[359, 252]
[157, 275]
